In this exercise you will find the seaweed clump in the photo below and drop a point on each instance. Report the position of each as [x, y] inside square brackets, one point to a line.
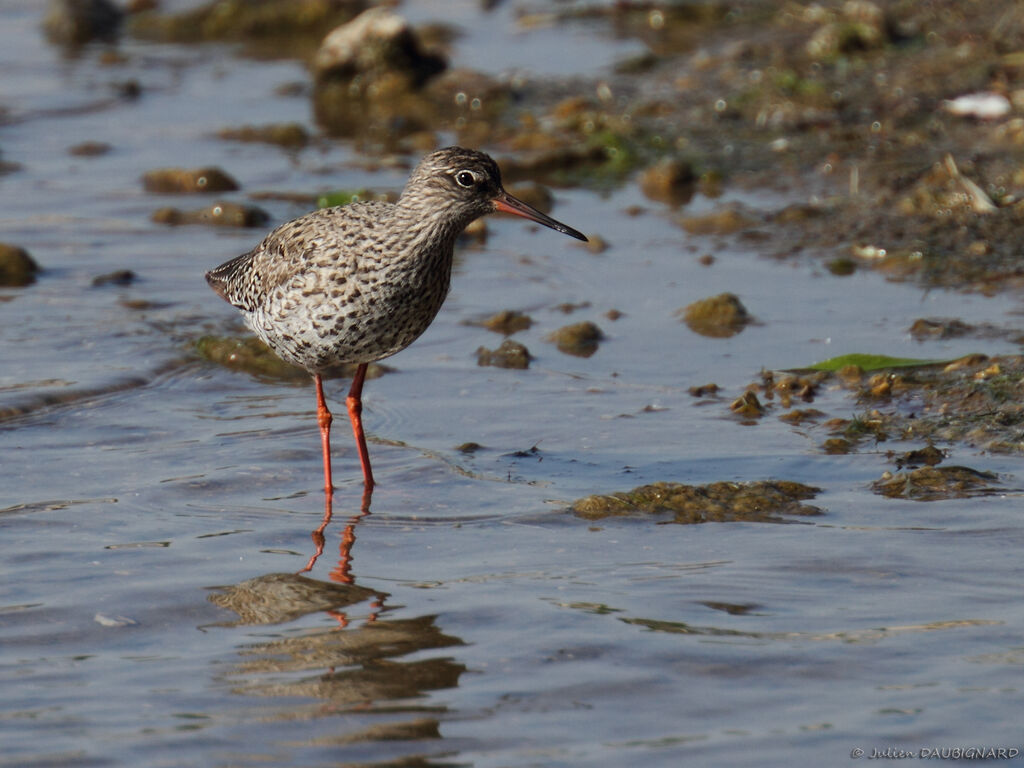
[723, 502]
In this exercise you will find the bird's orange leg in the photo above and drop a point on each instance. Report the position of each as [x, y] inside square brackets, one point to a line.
[324, 419]
[354, 402]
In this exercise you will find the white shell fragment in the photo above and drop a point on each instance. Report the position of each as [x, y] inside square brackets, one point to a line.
[985, 105]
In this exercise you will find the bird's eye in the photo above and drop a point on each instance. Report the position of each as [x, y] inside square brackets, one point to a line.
[465, 178]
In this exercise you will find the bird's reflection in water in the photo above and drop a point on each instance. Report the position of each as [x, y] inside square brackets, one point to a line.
[342, 573]
[354, 665]
[279, 597]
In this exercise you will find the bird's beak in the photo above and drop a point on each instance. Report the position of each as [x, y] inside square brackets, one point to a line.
[505, 203]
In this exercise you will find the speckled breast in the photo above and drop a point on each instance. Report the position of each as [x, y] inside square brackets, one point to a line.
[355, 319]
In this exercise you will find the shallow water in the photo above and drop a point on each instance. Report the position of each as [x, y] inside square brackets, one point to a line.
[156, 507]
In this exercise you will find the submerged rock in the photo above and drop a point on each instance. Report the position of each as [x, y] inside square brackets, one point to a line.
[717, 317]
[936, 483]
[788, 387]
[975, 399]
[842, 266]
[508, 321]
[369, 78]
[578, 339]
[89, 149]
[704, 390]
[670, 181]
[248, 354]
[763, 501]
[219, 215]
[802, 416]
[274, 21]
[251, 355]
[929, 455]
[181, 181]
[117, 277]
[747, 405]
[377, 44]
[939, 328]
[288, 135]
[597, 244]
[724, 221]
[836, 446]
[861, 25]
[17, 267]
[554, 159]
[337, 197]
[75, 22]
[511, 354]
[279, 597]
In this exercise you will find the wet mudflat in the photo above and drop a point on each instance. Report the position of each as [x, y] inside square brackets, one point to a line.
[658, 536]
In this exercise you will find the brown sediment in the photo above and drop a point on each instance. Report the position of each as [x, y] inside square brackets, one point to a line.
[279, 597]
[221, 214]
[511, 354]
[717, 316]
[975, 400]
[936, 483]
[578, 339]
[287, 135]
[507, 322]
[249, 354]
[763, 501]
[182, 181]
[268, 27]
[17, 267]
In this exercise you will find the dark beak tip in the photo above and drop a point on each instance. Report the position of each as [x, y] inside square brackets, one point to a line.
[505, 203]
[565, 230]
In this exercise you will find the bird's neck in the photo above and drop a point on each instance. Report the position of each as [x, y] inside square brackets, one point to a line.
[430, 230]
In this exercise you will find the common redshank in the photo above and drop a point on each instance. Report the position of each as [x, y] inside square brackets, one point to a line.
[360, 282]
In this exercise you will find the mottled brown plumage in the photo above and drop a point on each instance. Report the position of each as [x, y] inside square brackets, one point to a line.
[358, 283]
